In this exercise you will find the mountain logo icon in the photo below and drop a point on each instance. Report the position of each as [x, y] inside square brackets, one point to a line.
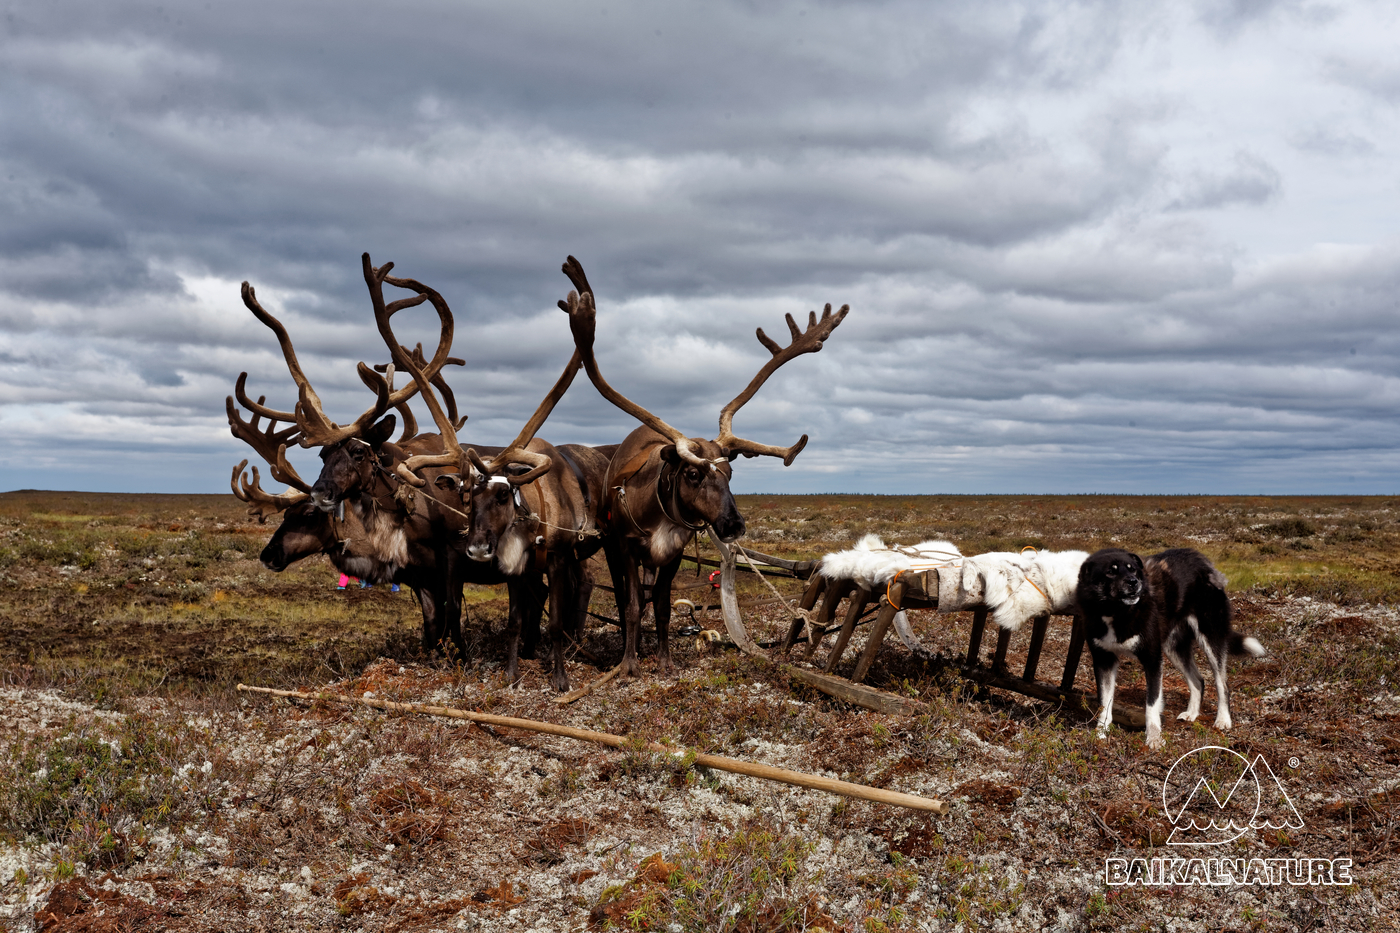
[1214, 795]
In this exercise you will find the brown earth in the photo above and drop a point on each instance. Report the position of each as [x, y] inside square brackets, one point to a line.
[139, 791]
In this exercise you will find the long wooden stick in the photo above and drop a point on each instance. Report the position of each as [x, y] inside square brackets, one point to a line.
[718, 762]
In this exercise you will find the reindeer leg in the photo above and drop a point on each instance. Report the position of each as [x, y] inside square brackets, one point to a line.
[561, 603]
[661, 608]
[430, 618]
[583, 596]
[627, 587]
[530, 626]
[453, 579]
[520, 600]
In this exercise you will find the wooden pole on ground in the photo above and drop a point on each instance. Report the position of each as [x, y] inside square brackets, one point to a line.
[718, 762]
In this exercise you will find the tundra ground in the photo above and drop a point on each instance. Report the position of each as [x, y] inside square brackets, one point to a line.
[139, 791]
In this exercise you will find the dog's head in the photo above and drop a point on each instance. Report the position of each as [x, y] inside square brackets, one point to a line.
[1112, 577]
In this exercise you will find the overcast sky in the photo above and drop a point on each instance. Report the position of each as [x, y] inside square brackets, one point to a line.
[1093, 247]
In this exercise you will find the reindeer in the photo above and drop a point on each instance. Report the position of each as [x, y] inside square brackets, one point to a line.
[392, 531]
[661, 486]
[532, 545]
[532, 510]
[540, 515]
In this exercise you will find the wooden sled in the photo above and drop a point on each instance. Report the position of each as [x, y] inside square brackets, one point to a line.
[909, 590]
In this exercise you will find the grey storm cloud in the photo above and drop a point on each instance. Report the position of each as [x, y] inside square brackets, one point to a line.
[1116, 247]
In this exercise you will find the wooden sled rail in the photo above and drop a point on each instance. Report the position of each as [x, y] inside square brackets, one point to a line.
[768, 564]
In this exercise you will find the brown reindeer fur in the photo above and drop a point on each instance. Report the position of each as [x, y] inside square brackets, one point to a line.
[542, 534]
[642, 531]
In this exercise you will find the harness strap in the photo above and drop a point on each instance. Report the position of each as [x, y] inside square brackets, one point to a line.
[673, 469]
[888, 598]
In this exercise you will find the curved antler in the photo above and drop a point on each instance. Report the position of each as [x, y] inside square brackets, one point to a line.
[258, 407]
[516, 452]
[809, 341]
[262, 504]
[582, 323]
[452, 454]
[269, 443]
[410, 424]
[316, 428]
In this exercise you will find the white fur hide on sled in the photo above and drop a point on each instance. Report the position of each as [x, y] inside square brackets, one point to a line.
[870, 563]
[1017, 587]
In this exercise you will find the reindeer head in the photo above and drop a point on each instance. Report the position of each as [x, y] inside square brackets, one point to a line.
[500, 518]
[305, 531]
[348, 467]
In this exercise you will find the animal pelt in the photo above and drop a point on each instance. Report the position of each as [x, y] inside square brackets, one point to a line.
[1148, 609]
[872, 563]
[1017, 587]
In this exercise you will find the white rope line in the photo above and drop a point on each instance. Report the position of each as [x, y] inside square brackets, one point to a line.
[804, 614]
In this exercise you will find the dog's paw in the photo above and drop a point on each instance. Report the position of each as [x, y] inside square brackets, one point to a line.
[1223, 722]
[1186, 716]
[1156, 742]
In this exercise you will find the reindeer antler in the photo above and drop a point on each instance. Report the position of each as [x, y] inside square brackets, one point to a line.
[269, 443]
[452, 454]
[410, 424]
[809, 341]
[317, 429]
[582, 324]
[262, 504]
[516, 452]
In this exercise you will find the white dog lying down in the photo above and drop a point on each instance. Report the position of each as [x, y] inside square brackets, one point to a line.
[1015, 587]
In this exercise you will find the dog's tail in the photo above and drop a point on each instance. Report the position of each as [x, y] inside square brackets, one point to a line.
[1244, 644]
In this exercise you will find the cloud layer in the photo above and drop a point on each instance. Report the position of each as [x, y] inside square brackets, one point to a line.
[1088, 247]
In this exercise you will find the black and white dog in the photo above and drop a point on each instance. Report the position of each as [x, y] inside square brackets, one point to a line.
[1146, 609]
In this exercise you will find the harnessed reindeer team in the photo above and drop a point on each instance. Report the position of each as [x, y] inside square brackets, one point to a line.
[426, 512]
[429, 513]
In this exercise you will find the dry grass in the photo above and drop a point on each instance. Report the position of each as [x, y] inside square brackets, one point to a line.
[127, 619]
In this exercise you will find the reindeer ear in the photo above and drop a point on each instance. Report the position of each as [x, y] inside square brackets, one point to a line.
[449, 481]
[734, 455]
[381, 432]
[668, 453]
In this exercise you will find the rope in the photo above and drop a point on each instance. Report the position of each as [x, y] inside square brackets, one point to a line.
[804, 614]
[581, 532]
[1027, 578]
[677, 519]
[889, 599]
